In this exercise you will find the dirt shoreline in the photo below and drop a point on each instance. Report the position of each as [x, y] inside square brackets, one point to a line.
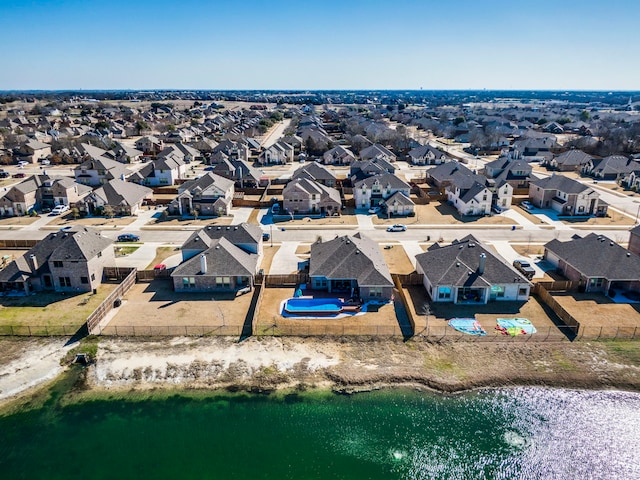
[268, 364]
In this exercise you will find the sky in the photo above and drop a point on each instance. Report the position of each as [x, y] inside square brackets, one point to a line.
[320, 45]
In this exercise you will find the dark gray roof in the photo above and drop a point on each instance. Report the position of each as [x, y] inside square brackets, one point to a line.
[445, 171]
[572, 157]
[243, 234]
[614, 164]
[348, 257]
[457, 265]
[635, 230]
[376, 150]
[314, 171]
[76, 243]
[399, 198]
[472, 191]
[385, 179]
[561, 184]
[205, 181]
[223, 259]
[597, 256]
[119, 192]
[422, 150]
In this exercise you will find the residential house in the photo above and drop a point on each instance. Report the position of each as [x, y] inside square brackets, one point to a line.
[278, 153]
[566, 196]
[534, 147]
[164, 170]
[598, 263]
[360, 169]
[634, 239]
[209, 194]
[237, 150]
[338, 156]
[150, 145]
[245, 236]
[316, 172]
[468, 272]
[126, 154]
[352, 266]
[241, 172]
[65, 261]
[60, 191]
[377, 151]
[20, 199]
[33, 151]
[399, 205]
[223, 267]
[569, 161]
[304, 196]
[516, 173]
[469, 195]
[610, 168]
[371, 191]
[96, 172]
[427, 155]
[124, 198]
[441, 175]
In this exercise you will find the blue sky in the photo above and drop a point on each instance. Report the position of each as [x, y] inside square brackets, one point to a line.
[348, 44]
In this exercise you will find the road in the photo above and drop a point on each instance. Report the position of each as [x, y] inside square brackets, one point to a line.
[275, 133]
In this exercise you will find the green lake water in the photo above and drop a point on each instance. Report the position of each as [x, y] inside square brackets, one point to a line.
[525, 433]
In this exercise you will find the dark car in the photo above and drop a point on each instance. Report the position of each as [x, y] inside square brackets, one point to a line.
[128, 237]
[524, 267]
[265, 237]
[19, 175]
[4, 174]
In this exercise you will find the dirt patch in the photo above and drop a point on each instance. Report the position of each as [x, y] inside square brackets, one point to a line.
[441, 213]
[200, 222]
[93, 221]
[612, 218]
[162, 253]
[19, 221]
[303, 249]
[341, 220]
[527, 250]
[267, 258]
[397, 259]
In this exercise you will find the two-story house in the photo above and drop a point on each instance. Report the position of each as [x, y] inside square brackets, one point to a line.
[469, 195]
[124, 198]
[65, 261]
[371, 191]
[277, 154]
[566, 196]
[427, 155]
[96, 172]
[209, 194]
[304, 196]
[316, 172]
[377, 151]
[338, 155]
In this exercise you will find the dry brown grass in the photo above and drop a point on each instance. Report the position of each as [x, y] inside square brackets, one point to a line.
[397, 260]
[612, 218]
[93, 221]
[200, 222]
[156, 304]
[528, 249]
[527, 215]
[439, 213]
[380, 321]
[253, 218]
[267, 258]
[595, 311]
[341, 220]
[162, 253]
[303, 249]
[22, 220]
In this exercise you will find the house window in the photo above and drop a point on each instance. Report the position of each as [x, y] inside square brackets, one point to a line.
[313, 196]
[65, 281]
[523, 291]
[93, 277]
[84, 280]
[188, 282]
[223, 282]
[497, 291]
[57, 264]
[375, 291]
[596, 282]
[444, 293]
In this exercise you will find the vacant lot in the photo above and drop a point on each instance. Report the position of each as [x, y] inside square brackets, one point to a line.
[599, 316]
[379, 321]
[155, 308]
[435, 323]
[439, 213]
[50, 309]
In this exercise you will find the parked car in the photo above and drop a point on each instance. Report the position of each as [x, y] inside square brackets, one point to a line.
[527, 205]
[160, 267]
[524, 267]
[45, 162]
[18, 175]
[4, 174]
[265, 237]
[59, 209]
[128, 237]
[374, 210]
[396, 228]
[22, 164]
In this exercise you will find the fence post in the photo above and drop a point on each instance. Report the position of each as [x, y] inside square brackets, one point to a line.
[29, 328]
[634, 333]
[600, 334]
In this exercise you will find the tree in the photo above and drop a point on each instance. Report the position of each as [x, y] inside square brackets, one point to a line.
[194, 213]
[108, 211]
[75, 212]
[141, 125]
[585, 115]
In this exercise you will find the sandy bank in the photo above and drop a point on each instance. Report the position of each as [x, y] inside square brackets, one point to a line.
[267, 364]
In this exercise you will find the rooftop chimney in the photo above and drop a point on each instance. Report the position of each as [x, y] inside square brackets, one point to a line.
[34, 260]
[203, 264]
[483, 261]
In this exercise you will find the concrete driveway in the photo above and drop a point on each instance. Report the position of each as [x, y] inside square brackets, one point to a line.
[507, 252]
[412, 248]
[285, 261]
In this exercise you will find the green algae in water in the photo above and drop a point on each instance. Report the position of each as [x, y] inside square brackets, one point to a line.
[520, 433]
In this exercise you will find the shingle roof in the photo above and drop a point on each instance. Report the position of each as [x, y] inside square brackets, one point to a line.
[223, 259]
[119, 192]
[350, 257]
[457, 265]
[561, 184]
[243, 234]
[597, 256]
[384, 180]
[399, 198]
[314, 171]
[572, 157]
[446, 170]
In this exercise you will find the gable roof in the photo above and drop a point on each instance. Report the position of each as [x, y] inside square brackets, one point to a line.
[205, 182]
[573, 157]
[457, 265]
[119, 192]
[445, 171]
[243, 234]
[350, 257]
[222, 259]
[313, 171]
[561, 184]
[423, 150]
[597, 256]
[376, 150]
[384, 180]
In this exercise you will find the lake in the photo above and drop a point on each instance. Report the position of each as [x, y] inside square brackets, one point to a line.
[513, 433]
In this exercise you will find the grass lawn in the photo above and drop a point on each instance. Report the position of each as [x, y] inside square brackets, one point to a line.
[397, 259]
[440, 213]
[124, 251]
[200, 222]
[51, 309]
[612, 218]
[93, 221]
[162, 253]
[22, 220]
[267, 258]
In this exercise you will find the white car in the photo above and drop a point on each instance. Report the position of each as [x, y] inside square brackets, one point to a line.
[527, 205]
[59, 209]
[22, 164]
[396, 228]
[374, 210]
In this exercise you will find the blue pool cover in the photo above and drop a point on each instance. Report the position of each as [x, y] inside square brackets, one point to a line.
[304, 305]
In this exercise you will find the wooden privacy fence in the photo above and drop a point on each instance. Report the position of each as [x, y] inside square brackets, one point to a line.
[545, 297]
[409, 278]
[290, 280]
[17, 243]
[559, 286]
[109, 303]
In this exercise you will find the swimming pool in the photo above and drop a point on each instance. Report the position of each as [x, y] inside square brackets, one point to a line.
[317, 306]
